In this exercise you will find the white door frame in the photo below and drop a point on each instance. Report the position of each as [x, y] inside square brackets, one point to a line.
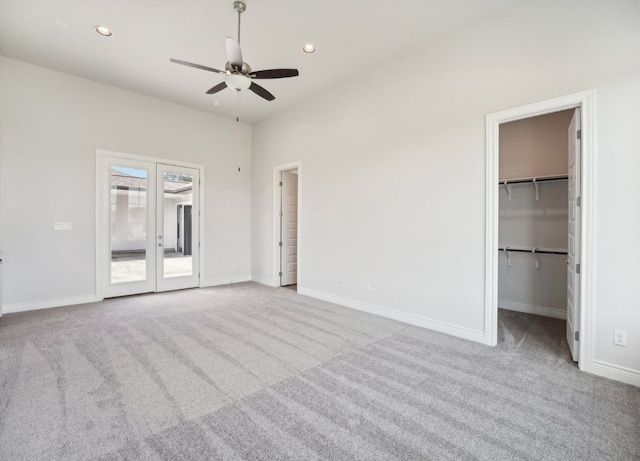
[101, 243]
[277, 171]
[586, 100]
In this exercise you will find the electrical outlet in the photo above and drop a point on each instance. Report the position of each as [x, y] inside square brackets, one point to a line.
[341, 283]
[619, 338]
[367, 287]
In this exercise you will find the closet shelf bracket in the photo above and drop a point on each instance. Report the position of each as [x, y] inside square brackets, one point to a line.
[536, 185]
[536, 257]
[508, 253]
[507, 186]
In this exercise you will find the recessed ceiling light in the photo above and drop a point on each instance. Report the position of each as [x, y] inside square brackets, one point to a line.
[309, 48]
[102, 30]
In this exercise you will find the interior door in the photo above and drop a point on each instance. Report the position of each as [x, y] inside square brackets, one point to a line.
[177, 224]
[289, 229]
[128, 210]
[573, 243]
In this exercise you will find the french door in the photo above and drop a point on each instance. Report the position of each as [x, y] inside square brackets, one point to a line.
[150, 227]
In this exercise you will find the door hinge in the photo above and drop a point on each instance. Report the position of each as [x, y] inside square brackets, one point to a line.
[578, 268]
[579, 134]
[280, 274]
[578, 201]
[280, 183]
[576, 335]
[281, 214]
[279, 244]
[198, 244]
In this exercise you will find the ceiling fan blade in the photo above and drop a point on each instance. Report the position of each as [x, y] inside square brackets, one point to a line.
[274, 73]
[218, 87]
[257, 89]
[234, 53]
[197, 66]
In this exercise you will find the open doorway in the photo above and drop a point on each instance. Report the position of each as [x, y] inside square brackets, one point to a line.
[539, 224]
[289, 228]
[536, 285]
[287, 194]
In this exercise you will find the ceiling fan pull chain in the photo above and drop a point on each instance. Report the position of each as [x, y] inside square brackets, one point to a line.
[238, 106]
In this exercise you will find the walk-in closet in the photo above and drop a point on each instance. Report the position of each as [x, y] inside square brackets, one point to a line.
[534, 233]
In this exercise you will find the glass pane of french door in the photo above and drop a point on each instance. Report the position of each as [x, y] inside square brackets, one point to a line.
[129, 225]
[177, 217]
[129, 200]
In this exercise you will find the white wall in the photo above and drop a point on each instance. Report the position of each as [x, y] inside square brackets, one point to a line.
[127, 223]
[393, 166]
[170, 236]
[536, 146]
[51, 126]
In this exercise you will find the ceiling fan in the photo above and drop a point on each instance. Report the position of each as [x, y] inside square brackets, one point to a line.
[238, 74]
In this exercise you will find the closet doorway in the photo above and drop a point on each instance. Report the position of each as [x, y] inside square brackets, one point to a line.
[540, 164]
[289, 228]
[287, 195]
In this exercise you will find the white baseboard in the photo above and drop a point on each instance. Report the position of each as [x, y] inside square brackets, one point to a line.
[411, 319]
[262, 280]
[32, 306]
[225, 281]
[530, 309]
[616, 372]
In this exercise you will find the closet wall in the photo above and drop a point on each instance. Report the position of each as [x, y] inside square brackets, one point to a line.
[534, 148]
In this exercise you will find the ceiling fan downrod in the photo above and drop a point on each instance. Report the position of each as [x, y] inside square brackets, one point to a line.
[240, 7]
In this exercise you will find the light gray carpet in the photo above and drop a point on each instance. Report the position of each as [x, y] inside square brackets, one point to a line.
[246, 372]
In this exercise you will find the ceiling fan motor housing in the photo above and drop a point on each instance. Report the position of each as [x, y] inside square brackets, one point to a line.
[245, 69]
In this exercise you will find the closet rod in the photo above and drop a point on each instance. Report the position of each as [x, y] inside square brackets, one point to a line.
[541, 179]
[534, 251]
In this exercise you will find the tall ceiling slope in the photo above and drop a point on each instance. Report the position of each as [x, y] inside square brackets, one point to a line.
[353, 39]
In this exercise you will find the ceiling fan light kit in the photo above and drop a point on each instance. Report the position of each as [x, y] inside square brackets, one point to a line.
[237, 81]
[238, 74]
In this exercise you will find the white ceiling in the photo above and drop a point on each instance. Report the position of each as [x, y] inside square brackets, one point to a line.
[353, 38]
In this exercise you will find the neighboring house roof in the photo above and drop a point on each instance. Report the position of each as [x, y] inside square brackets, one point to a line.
[124, 181]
